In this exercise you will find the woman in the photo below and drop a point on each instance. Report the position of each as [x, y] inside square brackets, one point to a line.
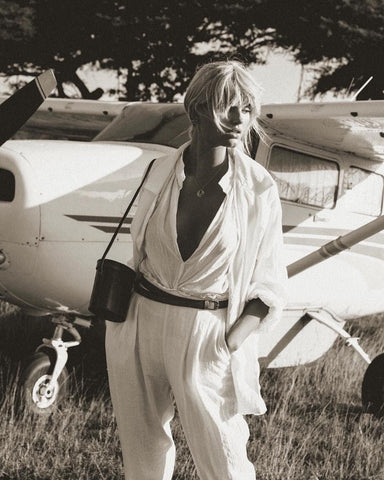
[207, 245]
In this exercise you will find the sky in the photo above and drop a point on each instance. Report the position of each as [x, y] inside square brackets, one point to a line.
[279, 78]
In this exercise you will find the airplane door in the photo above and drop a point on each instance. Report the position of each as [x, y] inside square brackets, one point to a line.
[308, 187]
[323, 199]
[362, 201]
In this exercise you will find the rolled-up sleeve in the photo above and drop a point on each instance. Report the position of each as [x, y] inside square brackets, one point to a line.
[269, 278]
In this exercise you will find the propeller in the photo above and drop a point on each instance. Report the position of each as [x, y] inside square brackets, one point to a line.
[18, 108]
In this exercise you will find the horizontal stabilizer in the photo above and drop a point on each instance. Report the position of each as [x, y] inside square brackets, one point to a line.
[17, 109]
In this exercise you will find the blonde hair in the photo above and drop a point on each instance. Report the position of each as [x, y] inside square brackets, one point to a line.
[216, 87]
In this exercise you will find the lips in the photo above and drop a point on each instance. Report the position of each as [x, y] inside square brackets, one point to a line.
[234, 131]
[233, 134]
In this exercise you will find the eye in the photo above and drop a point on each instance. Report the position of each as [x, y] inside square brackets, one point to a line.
[247, 109]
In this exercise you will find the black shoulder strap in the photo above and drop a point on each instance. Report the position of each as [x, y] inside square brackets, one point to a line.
[127, 210]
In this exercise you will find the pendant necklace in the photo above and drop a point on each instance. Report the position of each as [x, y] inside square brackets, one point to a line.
[201, 192]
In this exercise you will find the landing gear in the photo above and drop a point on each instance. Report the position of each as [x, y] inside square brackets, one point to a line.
[44, 382]
[372, 391]
[39, 393]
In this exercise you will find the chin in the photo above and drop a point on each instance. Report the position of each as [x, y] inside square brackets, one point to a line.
[233, 142]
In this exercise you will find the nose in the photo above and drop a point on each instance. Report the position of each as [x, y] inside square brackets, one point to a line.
[235, 116]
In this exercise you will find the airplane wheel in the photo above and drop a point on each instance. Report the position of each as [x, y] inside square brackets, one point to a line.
[372, 392]
[35, 394]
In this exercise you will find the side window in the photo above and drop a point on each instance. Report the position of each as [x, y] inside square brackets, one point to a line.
[7, 185]
[303, 178]
[363, 191]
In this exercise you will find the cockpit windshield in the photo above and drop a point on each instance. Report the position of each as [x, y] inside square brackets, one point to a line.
[160, 123]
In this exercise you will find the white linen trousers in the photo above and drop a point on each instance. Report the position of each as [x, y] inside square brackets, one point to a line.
[163, 352]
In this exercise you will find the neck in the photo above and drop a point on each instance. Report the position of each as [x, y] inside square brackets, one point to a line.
[203, 160]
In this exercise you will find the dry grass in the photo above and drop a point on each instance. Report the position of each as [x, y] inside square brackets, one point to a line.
[314, 429]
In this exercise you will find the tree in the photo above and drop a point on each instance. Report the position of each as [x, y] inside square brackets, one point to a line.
[42, 34]
[160, 42]
[345, 36]
[155, 42]
[16, 21]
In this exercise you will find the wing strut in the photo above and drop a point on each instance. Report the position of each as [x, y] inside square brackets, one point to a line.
[336, 246]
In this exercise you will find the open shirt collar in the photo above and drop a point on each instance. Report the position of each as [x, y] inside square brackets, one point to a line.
[225, 181]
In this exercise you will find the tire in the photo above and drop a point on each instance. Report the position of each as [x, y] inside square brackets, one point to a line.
[372, 391]
[33, 397]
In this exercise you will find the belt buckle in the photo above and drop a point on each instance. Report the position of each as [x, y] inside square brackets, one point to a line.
[211, 304]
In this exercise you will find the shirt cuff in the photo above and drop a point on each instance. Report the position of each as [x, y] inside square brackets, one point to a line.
[275, 311]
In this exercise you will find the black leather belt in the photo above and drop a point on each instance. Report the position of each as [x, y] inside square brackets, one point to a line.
[148, 290]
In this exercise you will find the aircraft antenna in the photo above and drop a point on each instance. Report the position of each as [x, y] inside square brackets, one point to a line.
[350, 86]
[361, 88]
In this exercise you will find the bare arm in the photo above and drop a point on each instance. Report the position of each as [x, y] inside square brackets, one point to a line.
[248, 321]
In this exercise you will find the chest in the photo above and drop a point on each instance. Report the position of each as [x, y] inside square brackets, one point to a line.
[195, 214]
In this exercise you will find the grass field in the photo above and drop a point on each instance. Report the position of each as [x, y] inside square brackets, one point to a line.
[314, 428]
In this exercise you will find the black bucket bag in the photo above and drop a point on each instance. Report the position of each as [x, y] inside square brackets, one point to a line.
[114, 281]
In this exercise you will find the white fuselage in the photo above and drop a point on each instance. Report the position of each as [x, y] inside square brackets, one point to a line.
[70, 196]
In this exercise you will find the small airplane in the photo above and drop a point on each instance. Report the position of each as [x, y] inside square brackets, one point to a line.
[61, 200]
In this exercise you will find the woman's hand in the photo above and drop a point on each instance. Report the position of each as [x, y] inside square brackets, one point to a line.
[248, 322]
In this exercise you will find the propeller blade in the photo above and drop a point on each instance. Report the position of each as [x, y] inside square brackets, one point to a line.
[17, 109]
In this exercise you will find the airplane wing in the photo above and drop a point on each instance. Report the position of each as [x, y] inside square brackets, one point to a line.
[16, 110]
[353, 127]
[69, 119]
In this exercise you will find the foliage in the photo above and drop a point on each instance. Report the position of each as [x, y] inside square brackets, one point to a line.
[155, 43]
[51, 34]
[347, 36]
[161, 42]
[16, 21]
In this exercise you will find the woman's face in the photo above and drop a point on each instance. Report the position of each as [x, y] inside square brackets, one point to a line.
[235, 123]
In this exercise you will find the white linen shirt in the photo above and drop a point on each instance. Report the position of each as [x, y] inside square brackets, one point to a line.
[257, 269]
[204, 275]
